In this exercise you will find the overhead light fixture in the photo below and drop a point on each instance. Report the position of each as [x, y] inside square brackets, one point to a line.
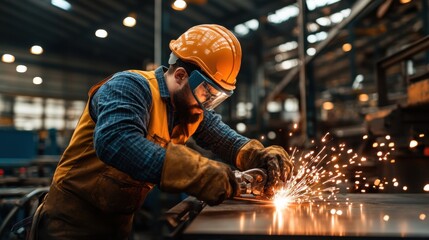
[405, 1]
[364, 98]
[101, 33]
[311, 51]
[291, 105]
[241, 127]
[317, 37]
[274, 106]
[271, 135]
[63, 4]
[313, 27]
[288, 46]
[287, 64]
[244, 28]
[130, 20]
[313, 4]
[37, 80]
[8, 58]
[347, 47]
[283, 14]
[36, 50]
[179, 5]
[241, 29]
[328, 106]
[21, 68]
[413, 143]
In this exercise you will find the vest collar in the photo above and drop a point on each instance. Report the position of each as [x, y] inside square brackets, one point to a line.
[163, 90]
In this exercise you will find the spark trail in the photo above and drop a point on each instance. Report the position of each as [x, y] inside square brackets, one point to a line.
[319, 174]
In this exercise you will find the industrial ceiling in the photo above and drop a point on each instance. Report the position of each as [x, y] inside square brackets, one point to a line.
[74, 58]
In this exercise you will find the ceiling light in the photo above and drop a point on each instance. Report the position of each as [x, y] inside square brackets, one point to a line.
[347, 47]
[244, 28]
[37, 80]
[101, 33]
[413, 143]
[363, 97]
[312, 27]
[21, 68]
[405, 1]
[283, 14]
[337, 17]
[317, 37]
[324, 21]
[274, 107]
[311, 38]
[288, 46]
[291, 105]
[179, 5]
[311, 51]
[271, 135]
[36, 49]
[287, 64]
[252, 24]
[129, 21]
[241, 29]
[357, 83]
[313, 4]
[8, 58]
[63, 4]
[328, 106]
[241, 127]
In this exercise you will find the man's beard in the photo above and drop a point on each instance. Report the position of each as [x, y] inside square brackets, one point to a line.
[182, 109]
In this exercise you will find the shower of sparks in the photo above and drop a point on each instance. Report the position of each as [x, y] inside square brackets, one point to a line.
[330, 168]
[318, 173]
[327, 167]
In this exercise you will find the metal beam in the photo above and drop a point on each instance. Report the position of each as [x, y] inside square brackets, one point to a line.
[302, 46]
[420, 46]
[356, 11]
[158, 32]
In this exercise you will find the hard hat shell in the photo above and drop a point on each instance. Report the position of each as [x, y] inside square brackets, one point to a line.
[214, 49]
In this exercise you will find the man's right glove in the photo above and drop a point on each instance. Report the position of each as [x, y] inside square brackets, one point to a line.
[185, 170]
[274, 159]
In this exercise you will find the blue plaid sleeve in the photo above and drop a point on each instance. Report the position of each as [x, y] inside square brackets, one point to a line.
[121, 110]
[215, 135]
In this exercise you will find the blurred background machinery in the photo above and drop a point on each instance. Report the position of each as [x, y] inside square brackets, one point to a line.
[400, 123]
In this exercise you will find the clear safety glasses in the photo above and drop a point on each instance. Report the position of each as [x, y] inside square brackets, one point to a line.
[206, 92]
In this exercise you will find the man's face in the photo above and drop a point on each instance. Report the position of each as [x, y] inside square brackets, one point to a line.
[186, 107]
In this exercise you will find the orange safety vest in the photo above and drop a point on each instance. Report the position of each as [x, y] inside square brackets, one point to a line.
[106, 196]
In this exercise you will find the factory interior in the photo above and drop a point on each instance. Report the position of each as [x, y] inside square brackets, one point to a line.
[341, 85]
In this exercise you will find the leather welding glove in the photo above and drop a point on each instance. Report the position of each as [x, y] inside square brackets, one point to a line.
[274, 159]
[185, 170]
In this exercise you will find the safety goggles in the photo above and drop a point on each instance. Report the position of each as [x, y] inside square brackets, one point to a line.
[207, 93]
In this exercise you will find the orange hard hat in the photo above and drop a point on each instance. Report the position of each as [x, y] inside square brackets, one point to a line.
[214, 49]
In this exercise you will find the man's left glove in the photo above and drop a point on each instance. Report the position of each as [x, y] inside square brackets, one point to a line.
[185, 170]
[274, 159]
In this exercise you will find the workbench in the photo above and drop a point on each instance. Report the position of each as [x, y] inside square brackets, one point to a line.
[350, 216]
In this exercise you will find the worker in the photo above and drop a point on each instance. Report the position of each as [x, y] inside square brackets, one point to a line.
[132, 134]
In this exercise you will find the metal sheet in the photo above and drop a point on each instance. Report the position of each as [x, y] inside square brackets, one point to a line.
[351, 216]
